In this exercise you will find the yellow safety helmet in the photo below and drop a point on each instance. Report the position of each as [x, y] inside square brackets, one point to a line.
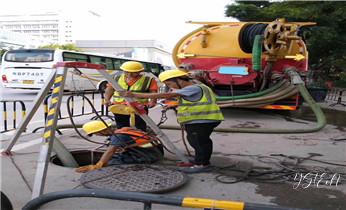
[132, 66]
[95, 126]
[169, 74]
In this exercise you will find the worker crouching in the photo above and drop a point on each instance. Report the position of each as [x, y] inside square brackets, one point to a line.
[127, 146]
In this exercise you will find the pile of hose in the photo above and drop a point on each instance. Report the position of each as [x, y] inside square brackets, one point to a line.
[283, 90]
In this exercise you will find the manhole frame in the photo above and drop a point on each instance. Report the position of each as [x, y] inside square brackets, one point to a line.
[184, 180]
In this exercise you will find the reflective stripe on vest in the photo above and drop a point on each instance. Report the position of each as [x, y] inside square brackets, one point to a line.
[140, 86]
[140, 137]
[204, 109]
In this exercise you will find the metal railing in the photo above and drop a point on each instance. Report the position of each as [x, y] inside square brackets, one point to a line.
[338, 96]
[83, 110]
[15, 117]
[80, 110]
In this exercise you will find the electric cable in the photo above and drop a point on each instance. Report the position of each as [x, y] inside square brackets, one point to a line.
[231, 174]
[72, 121]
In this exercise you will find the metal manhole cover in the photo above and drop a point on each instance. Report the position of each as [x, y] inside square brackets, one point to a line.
[134, 178]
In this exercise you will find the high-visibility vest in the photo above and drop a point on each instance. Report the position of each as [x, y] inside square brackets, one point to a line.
[204, 109]
[142, 85]
[140, 137]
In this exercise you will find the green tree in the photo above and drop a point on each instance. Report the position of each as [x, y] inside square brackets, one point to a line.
[62, 47]
[2, 52]
[326, 41]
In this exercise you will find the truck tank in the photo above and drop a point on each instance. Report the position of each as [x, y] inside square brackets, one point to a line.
[243, 60]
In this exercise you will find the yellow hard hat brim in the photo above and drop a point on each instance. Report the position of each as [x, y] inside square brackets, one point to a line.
[132, 71]
[121, 109]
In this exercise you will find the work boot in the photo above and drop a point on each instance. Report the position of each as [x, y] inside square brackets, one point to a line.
[196, 169]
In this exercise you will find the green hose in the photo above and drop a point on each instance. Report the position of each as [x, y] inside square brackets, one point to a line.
[282, 90]
[251, 95]
[257, 53]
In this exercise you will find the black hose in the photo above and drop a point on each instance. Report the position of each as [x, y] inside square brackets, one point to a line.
[5, 202]
[248, 34]
[72, 121]
[107, 194]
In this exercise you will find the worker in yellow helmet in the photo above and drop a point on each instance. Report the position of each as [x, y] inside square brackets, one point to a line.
[197, 111]
[127, 145]
[132, 79]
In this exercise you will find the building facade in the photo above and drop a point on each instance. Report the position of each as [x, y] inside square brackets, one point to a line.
[13, 40]
[54, 27]
[146, 50]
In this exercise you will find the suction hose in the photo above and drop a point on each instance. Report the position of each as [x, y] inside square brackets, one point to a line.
[252, 95]
[297, 81]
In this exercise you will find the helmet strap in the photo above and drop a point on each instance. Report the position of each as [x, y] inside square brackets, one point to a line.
[176, 82]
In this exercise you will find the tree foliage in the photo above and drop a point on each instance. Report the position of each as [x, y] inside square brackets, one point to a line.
[326, 41]
[72, 47]
[2, 52]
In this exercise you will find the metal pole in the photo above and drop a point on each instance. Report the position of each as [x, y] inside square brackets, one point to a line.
[49, 132]
[38, 101]
[147, 119]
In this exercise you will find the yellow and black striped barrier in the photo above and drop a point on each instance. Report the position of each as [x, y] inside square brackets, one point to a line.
[53, 107]
[6, 126]
[82, 110]
[148, 199]
[73, 95]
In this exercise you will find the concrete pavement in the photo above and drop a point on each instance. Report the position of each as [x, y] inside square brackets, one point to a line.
[239, 150]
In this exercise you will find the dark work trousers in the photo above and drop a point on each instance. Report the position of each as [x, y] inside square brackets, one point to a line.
[124, 121]
[198, 135]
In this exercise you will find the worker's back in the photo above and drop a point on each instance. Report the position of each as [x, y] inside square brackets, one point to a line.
[139, 147]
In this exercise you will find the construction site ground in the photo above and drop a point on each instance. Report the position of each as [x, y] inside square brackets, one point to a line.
[231, 150]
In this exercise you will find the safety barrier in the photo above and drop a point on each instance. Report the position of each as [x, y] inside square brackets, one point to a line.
[82, 109]
[6, 126]
[337, 95]
[148, 199]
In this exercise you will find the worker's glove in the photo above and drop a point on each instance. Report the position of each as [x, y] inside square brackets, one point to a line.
[140, 108]
[169, 104]
[84, 169]
[107, 103]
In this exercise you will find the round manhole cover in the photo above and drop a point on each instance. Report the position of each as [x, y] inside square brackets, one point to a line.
[134, 178]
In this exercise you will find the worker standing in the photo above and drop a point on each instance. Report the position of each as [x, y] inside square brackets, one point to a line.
[197, 111]
[132, 79]
[127, 146]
